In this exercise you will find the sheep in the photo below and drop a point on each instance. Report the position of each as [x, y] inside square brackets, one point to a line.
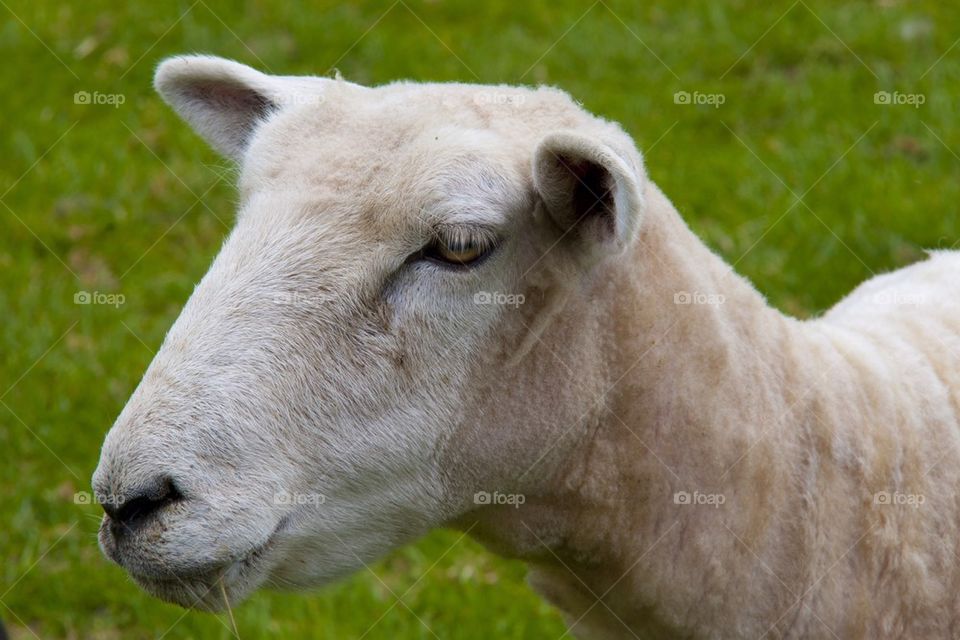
[451, 305]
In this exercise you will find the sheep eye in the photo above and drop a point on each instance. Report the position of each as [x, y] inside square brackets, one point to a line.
[457, 252]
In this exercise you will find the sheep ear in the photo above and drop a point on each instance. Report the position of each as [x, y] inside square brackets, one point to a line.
[590, 189]
[225, 101]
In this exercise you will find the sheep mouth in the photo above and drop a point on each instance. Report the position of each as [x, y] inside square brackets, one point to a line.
[212, 587]
[207, 590]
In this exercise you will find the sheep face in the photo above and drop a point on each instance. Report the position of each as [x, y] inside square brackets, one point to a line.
[318, 401]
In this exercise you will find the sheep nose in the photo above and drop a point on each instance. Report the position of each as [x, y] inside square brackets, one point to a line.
[137, 506]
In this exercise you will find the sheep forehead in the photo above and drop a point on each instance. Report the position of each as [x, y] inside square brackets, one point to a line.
[408, 150]
[356, 131]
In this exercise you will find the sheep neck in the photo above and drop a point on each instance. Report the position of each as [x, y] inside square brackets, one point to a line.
[697, 355]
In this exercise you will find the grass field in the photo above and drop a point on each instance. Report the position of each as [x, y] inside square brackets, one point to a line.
[805, 177]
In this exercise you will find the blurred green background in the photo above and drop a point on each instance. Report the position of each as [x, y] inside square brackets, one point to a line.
[124, 199]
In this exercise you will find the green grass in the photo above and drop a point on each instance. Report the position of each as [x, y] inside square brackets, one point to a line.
[105, 199]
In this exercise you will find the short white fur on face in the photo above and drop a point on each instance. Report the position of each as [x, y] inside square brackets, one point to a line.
[431, 296]
[323, 359]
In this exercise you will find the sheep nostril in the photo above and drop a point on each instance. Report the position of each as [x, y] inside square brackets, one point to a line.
[137, 507]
